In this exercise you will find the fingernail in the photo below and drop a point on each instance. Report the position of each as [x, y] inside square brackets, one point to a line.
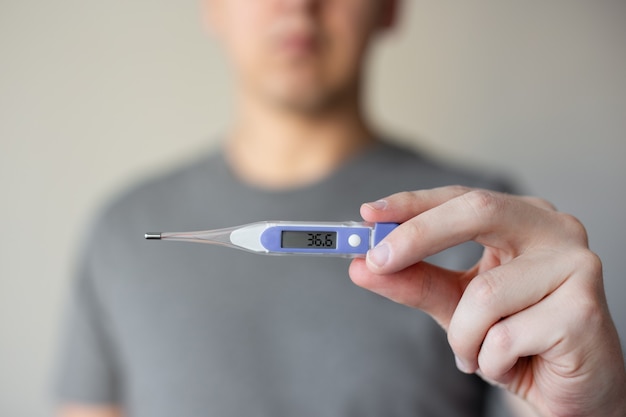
[377, 205]
[461, 365]
[379, 255]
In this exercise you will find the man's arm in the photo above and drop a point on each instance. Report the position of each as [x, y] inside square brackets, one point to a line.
[79, 410]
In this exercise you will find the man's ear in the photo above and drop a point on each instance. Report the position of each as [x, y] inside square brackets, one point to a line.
[388, 16]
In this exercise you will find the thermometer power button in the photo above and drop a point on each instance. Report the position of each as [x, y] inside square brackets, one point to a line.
[354, 240]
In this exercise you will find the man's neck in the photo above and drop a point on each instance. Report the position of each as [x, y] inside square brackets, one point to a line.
[278, 149]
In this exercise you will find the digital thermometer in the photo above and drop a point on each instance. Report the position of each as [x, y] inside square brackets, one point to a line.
[343, 239]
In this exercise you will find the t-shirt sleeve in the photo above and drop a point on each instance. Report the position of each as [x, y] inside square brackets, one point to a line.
[87, 370]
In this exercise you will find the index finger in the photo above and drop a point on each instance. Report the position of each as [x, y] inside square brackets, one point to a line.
[403, 206]
[432, 224]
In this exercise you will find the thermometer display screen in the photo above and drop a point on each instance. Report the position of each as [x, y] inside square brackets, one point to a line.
[308, 239]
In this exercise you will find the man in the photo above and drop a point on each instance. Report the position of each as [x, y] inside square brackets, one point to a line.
[190, 330]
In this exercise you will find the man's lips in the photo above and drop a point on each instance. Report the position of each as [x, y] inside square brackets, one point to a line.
[298, 44]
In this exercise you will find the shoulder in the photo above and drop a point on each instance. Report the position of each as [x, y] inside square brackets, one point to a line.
[162, 188]
[412, 169]
[148, 202]
[152, 188]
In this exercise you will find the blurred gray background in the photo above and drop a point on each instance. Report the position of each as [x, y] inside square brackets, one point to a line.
[96, 94]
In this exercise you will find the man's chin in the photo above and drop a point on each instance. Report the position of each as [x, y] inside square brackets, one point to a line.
[308, 105]
[306, 100]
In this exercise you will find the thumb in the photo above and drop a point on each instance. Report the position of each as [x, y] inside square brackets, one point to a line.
[430, 288]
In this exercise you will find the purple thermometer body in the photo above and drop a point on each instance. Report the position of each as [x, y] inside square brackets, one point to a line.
[347, 240]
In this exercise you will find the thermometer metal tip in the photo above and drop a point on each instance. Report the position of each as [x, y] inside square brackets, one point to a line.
[153, 236]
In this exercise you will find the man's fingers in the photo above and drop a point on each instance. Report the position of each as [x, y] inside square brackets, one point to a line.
[546, 329]
[499, 293]
[427, 287]
[496, 220]
[527, 333]
[403, 206]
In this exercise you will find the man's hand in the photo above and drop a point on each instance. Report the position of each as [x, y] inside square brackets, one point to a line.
[531, 316]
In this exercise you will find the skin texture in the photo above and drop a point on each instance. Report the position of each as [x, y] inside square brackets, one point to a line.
[530, 316]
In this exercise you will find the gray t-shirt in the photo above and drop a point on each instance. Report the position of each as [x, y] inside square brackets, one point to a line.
[177, 329]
